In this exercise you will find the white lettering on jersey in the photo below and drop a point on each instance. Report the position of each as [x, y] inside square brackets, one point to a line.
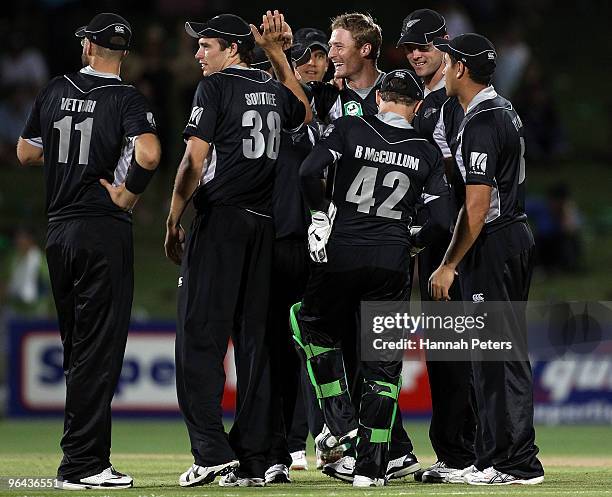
[260, 98]
[388, 157]
[76, 105]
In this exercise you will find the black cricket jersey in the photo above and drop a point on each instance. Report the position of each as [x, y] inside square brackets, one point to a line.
[87, 124]
[241, 113]
[291, 216]
[438, 119]
[489, 150]
[428, 112]
[383, 169]
[447, 126]
[330, 102]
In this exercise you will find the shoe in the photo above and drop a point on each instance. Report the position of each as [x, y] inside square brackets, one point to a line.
[365, 481]
[343, 469]
[328, 456]
[201, 475]
[231, 480]
[438, 472]
[459, 475]
[299, 461]
[325, 441]
[491, 476]
[402, 466]
[109, 479]
[279, 473]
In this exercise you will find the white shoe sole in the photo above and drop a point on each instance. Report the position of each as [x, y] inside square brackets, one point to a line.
[211, 474]
[299, 465]
[65, 485]
[404, 472]
[531, 481]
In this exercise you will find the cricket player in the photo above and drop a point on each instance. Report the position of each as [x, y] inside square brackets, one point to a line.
[95, 136]
[492, 250]
[233, 137]
[362, 242]
[453, 420]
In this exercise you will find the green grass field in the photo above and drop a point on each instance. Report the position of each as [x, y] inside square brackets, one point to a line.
[578, 461]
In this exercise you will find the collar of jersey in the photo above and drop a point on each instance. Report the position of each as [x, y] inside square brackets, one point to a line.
[90, 70]
[381, 75]
[393, 119]
[487, 93]
[439, 85]
[246, 76]
[236, 66]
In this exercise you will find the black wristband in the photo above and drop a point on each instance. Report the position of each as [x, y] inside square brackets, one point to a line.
[138, 177]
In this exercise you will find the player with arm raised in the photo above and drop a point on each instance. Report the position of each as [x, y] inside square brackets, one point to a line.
[232, 143]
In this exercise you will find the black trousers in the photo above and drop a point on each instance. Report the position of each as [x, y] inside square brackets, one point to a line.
[452, 430]
[307, 417]
[499, 267]
[224, 293]
[327, 318]
[91, 268]
[290, 269]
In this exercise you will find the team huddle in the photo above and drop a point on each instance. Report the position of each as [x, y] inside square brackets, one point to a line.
[311, 196]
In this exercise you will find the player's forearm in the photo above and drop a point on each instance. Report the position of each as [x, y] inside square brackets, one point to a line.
[187, 179]
[29, 155]
[470, 222]
[438, 222]
[284, 74]
[311, 183]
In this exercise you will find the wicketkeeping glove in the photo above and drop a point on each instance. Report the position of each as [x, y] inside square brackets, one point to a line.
[319, 231]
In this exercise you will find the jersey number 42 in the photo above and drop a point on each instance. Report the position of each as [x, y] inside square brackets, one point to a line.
[361, 191]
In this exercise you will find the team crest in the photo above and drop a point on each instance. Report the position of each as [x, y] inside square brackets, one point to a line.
[353, 108]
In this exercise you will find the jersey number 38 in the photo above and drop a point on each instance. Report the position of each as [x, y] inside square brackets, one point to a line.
[255, 146]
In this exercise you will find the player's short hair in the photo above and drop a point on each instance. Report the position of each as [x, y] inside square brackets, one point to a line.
[363, 29]
[475, 76]
[398, 98]
[246, 53]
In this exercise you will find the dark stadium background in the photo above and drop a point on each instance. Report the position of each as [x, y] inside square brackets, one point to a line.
[560, 75]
